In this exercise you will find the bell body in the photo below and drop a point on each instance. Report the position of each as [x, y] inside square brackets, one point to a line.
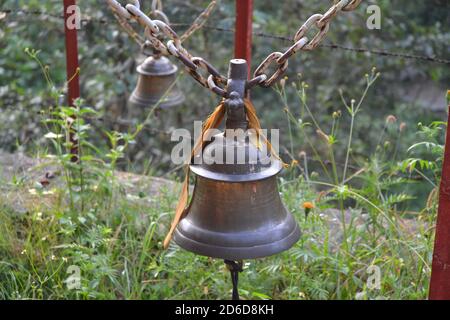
[156, 77]
[236, 211]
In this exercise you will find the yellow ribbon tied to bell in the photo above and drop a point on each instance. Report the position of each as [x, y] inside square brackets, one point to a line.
[213, 122]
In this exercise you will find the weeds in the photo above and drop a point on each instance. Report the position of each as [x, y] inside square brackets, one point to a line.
[379, 220]
[115, 240]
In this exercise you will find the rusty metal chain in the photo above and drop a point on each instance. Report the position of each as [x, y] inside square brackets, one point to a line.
[157, 11]
[321, 22]
[380, 52]
[156, 30]
[200, 21]
[129, 29]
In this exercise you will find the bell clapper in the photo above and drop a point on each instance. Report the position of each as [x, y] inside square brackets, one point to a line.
[235, 267]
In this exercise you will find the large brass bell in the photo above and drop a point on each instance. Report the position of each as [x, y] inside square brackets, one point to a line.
[236, 212]
[156, 81]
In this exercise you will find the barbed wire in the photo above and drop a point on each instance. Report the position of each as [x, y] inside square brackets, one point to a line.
[340, 47]
[318, 22]
[49, 14]
[379, 52]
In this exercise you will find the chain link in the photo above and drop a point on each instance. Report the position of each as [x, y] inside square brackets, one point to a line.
[274, 57]
[319, 21]
[155, 30]
[157, 5]
[200, 21]
[250, 84]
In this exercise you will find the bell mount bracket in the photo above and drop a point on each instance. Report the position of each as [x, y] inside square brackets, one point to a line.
[236, 91]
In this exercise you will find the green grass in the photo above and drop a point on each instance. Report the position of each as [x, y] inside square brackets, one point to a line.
[360, 221]
[121, 257]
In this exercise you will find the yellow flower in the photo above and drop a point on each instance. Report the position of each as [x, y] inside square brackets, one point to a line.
[308, 205]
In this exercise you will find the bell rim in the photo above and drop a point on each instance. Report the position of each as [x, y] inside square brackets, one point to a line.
[172, 101]
[275, 168]
[238, 253]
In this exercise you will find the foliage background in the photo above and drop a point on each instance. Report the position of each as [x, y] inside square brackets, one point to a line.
[121, 257]
[108, 57]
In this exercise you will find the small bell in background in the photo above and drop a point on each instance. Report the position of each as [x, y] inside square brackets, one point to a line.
[156, 83]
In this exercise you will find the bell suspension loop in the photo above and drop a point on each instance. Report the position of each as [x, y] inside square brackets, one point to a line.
[236, 89]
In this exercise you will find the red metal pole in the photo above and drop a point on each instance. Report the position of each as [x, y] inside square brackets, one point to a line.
[72, 64]
[71, 55]
[440, 270]
[243, 35]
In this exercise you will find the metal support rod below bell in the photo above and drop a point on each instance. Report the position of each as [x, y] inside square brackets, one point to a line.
[235, 267]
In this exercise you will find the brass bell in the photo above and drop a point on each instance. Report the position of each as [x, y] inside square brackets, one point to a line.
[156, 76]
[236, 211]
